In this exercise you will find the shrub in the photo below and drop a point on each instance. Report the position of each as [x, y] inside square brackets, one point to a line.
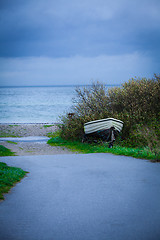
[90, 104]
[136, 103]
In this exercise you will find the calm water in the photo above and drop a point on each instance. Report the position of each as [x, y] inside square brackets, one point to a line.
[34, 104]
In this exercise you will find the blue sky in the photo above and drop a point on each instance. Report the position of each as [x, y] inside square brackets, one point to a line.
[48, 42]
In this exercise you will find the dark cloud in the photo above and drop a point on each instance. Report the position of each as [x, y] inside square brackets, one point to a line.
[90, 27]
[87, 28]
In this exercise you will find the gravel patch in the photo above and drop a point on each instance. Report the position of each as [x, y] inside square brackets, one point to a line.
[30, 148]
[34, 148]
[24, 130]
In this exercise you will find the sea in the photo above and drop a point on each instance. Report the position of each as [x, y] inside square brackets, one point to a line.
[35, 104]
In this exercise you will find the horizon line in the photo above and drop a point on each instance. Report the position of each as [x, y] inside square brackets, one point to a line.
[65, 85]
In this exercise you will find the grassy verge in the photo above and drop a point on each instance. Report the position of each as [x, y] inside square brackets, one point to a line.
[5, 151]
[13, 125]
[143, 153]
[12, 142]
[8, 177]
[46, 126]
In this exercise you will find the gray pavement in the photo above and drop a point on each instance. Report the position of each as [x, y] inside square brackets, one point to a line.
[82, 197]
[25, 139]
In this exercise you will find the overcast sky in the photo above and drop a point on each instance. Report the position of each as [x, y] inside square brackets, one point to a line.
[55, 42]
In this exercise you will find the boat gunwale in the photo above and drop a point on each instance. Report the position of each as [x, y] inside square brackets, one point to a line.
[104, 120]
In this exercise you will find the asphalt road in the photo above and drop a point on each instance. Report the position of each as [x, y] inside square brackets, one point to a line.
[82, 197]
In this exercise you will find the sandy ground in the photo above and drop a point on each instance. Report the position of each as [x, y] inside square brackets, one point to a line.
[24, 130]
[30, 148]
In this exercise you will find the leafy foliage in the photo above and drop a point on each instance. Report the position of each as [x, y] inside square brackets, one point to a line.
[136, 103]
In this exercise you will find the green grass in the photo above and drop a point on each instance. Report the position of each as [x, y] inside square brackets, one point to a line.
[53, 134]
[46, 126]
[143, 153]
[8, 177]
[5, 151]
[12, 142]
[13, 125]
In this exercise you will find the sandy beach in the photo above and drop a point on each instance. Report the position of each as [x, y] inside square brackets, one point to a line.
[30, 148]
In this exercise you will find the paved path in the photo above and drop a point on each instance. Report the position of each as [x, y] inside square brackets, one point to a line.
[82, 197]
[25, 139]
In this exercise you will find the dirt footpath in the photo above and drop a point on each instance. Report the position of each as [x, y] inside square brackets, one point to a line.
[30, 148]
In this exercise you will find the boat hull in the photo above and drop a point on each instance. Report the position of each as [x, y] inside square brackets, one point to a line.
[104, 129]
[102, 125]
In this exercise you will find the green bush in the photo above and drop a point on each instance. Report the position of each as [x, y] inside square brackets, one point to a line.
[90, 104]
[136, 103]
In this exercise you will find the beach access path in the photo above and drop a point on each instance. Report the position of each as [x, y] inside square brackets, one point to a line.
[82, 197]
[32, 139]
[77, 196]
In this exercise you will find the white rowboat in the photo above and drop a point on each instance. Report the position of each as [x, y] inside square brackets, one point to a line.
[102, 124]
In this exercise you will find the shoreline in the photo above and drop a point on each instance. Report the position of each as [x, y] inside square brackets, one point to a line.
[26, 129]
